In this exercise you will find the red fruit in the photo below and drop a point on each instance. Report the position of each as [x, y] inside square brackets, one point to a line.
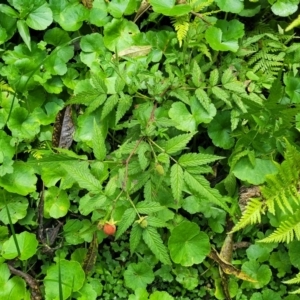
[109, 229]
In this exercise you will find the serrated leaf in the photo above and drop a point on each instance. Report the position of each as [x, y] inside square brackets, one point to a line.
[177, 143]
[227, 76]
[143, 160]
[128, 218]
[124, 104]
[135, 237]
[196, 74]
[221, 94]
[176, 181]
[201, 186]
[214, 77]
[235, 86]
[155, 222]
[182, 95]
[109, 105]
[99, 148]
[99, 84]
[146, 208]
[83, 176]
[203, 99]
[155, 243]
[196, 159]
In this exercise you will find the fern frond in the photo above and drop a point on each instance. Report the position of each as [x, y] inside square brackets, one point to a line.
[181, 25]
[200, 5]
[282, 188]
[293, 280]
[287, 230]
[4, 87]
[251, 215]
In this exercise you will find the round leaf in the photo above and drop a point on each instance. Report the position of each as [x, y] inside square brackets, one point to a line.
[188, 245]
[180, 114]
[219, 130]
[118, 34]
[284, 8]
[22, 181]
[138, 275]
[233, 6]
[57, 203]
[244, 170]
[72, 279]
[27, 243]
[40, 18]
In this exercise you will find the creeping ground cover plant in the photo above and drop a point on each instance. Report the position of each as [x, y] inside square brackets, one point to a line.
[149, 149]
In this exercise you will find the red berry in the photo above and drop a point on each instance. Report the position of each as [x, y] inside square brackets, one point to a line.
[109, 229]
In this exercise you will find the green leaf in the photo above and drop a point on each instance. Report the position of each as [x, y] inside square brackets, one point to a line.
[261, 273]
[244, 170]
[27, 244]
[177, 143]
[90, 203]
[40, 18]
[196, 74]
[83, 176]
[56, 37]
[128, 218]
[176, 181]
[224, 37]
[69, 15]
[158, 295]
[184, 119]
[11, 289]
[72, 279]
[119, 33]
[201, 186]
[99, 148]
[56, 203]
[292, 88]
[203, 99]
[188, 245]
[119, 7]
[16, 205]
[144, 207]
[135, 237]
[197, 159]
[220, 132]
[22, 124]
[155, 243]
[233, 6]
[22, 181]
[109, 105]
[168, 7]
[124, 104]
[138, 275]
[284, 8]
[24, 33]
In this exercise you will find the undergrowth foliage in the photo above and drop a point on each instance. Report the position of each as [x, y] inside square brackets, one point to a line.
[132, 136]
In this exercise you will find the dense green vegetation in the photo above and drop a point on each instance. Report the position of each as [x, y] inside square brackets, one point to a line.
[149, 149]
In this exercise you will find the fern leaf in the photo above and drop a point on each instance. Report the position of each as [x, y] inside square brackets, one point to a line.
[201, 186]
[181, 25]
[294, 280]
[251, 215]
[155, 243]
[176, 181]
[196, 6]
[287, 230]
